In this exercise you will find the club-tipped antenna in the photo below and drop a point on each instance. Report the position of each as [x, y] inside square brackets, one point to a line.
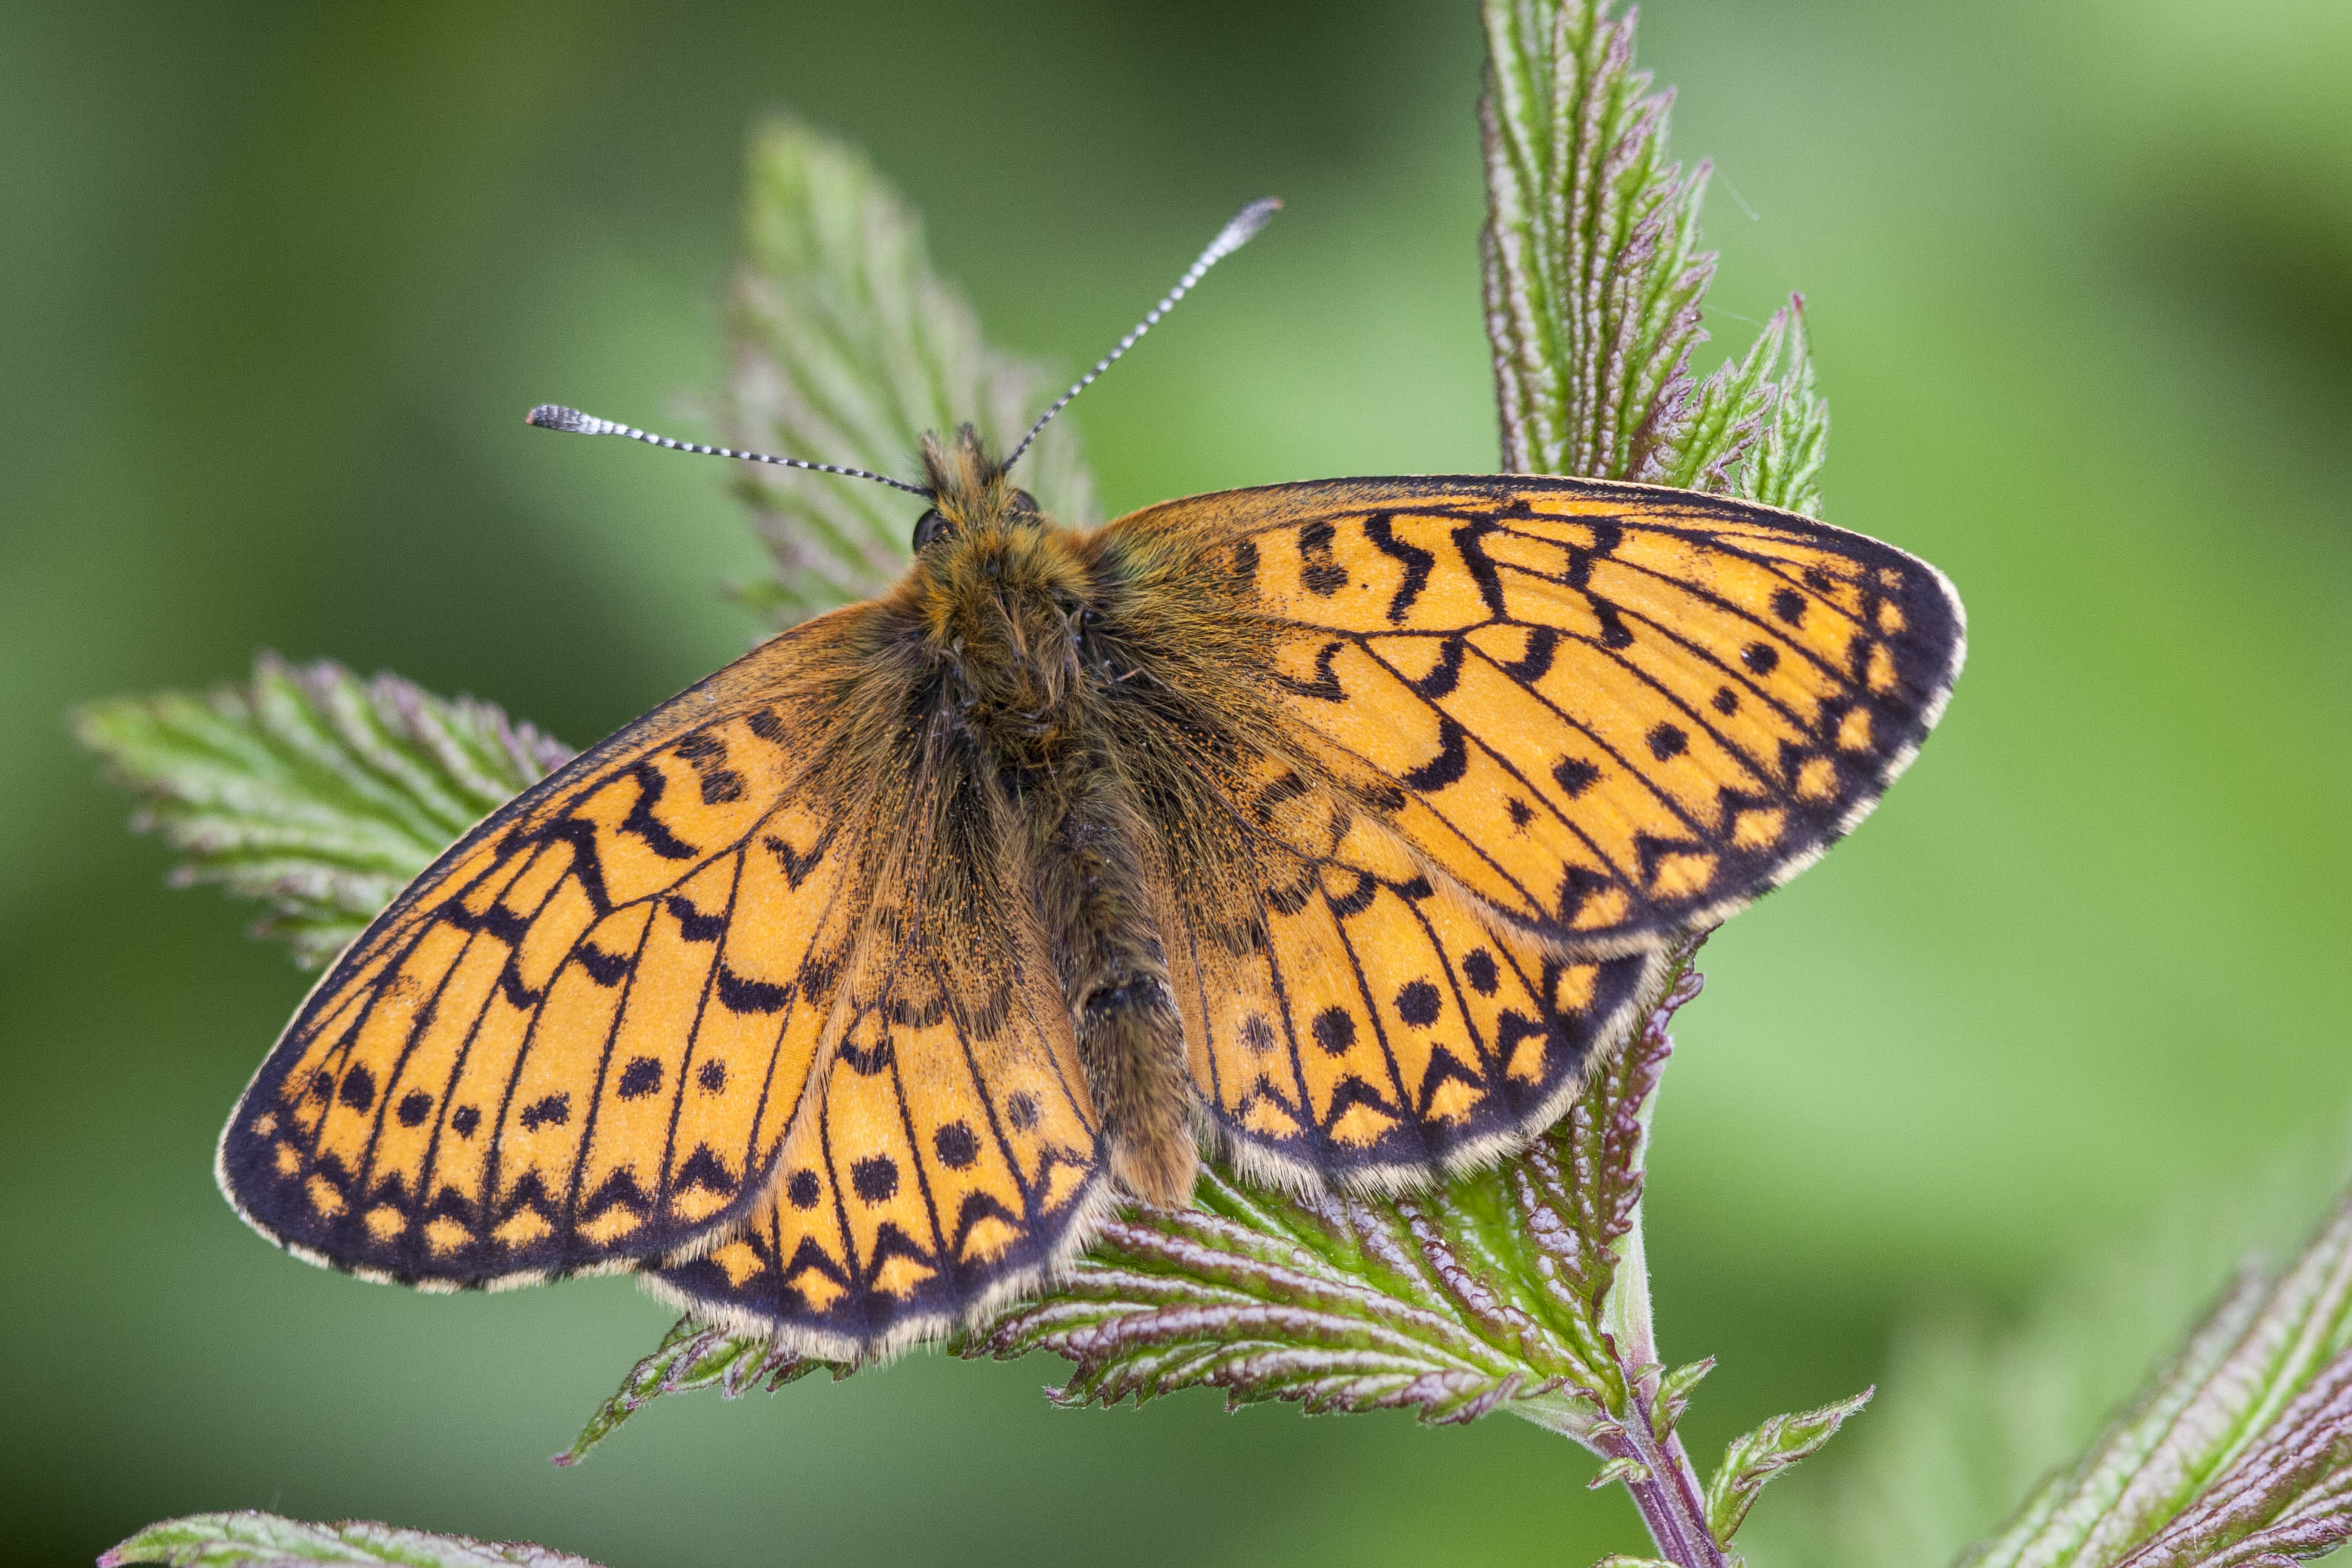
[555, 417]
[1230, 238]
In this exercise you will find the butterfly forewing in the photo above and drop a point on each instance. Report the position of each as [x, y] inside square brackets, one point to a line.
[1610, 712]
[579, 1039]
[949, 1155]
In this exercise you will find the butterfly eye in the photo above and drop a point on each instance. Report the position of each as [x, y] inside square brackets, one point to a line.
[932, 526]
[1023, 502]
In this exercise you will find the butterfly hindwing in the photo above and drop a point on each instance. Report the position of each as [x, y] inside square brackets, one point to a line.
[579, 1039]
[950, 1155]
[1347, 1020]
[1611, 713]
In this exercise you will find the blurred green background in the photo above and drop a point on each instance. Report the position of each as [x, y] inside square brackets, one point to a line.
[277, 282]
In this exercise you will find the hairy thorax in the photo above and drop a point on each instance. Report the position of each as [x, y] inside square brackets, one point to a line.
[1004, 613]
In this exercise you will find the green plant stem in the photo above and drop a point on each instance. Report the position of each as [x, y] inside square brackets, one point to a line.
[1668, 1494]
[1665, 1487]
[1671, 1502]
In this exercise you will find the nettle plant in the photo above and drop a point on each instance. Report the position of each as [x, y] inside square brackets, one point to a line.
[1518, 1290]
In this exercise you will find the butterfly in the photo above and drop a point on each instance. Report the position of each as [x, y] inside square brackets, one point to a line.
[1334, 828]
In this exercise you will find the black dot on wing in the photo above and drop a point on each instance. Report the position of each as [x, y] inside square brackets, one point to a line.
[1257, 1034]
[359, 1088]
[414, 1107]
[1575, 776]
[1021, 1110]
[1335, 1030]
[553, 1110]
[1478, 968]
[802, 1189]
[322, 1085]
[874, 1178]
[1521, 813]
[1418, 1003]
[957, 1146]
[1727, 701]
[1819, 579]
[641, 1078]
[1667, 741]
[1790, 605]
[1760, 656]
[712, 1077]
[464, 1120]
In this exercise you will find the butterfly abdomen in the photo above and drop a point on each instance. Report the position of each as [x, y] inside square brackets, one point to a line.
[1115, 974]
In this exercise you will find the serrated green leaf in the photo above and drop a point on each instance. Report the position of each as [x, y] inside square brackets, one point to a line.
[2287, 1496]
[693, 1356]
[1727, 413]
[1674, 1395]
[1750, 1462]
[254, 1540]
[1486, 1293]
[1783, 468]
[1593, 278]
[1631, 1471]
[1757, 429]
[314, 792]
[2248, 1428]
[848, 348]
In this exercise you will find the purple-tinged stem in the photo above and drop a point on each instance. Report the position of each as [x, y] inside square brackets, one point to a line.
[1667, 1491]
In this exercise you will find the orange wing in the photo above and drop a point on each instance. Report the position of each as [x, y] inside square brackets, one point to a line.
[1611, 713]
[951, 1155]
[578, 1040]
[1350, 1020]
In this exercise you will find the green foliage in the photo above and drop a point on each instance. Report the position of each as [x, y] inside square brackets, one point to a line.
[847, 347]
[1490, 1292]
[1593, 274]
[1522, 1287]
[692, 1357]
[1595, 280]
[254, 1540]
[1783, 468]
[1756, 427]
[1751, 1461]
[318, 794]
[2238, 1450]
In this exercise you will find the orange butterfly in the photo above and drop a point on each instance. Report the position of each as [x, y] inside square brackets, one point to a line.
[1337, 827]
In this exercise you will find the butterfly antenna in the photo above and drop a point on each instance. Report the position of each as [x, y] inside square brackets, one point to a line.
[555, 417]
[1230, 238]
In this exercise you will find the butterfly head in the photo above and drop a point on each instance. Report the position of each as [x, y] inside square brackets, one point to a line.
[970, 493]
